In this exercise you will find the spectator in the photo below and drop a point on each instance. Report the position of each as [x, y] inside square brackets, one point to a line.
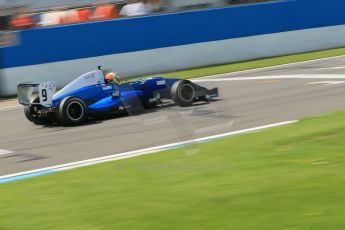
[136, 9]
[84, 14]
[105, 12]
[52, 18]
[71, 16]
[23, 20]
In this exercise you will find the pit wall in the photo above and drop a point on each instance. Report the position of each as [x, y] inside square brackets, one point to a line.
[168, 42]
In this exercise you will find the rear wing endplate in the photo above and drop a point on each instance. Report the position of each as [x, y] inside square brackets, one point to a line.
[27, 92]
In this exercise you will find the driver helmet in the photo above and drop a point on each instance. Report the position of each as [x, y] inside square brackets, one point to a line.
[111, 77]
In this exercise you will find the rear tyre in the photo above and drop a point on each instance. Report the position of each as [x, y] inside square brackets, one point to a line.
[31, 118]
[71, 111]
[183, 93]
[28, 114]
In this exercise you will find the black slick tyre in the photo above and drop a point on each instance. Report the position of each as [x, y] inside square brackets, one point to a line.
[27, 113]
[71, 111]
[183, 93]
[31, 118]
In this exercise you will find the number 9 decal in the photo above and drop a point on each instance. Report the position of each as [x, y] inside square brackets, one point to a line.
[46, 91]
[44, 95]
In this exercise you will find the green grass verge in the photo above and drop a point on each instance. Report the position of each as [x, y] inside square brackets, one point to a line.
[246, 65]
[290, 177]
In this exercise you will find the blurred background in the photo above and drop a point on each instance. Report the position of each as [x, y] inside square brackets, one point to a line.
[42, 40]
[51, 40]
[23, 14]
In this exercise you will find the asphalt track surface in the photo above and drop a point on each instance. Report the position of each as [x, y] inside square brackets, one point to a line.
[243, 104]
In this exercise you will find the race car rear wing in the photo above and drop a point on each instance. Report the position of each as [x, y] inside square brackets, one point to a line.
[27, 93]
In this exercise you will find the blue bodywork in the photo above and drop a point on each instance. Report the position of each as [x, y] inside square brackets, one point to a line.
[92, 93]
[104, 98]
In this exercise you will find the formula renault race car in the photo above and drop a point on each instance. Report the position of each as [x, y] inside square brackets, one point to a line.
[90, 94]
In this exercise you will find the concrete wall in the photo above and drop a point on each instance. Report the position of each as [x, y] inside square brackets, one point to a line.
[173, 41]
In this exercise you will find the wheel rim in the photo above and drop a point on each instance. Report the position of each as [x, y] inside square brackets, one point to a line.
[75, 111]
[187, 92]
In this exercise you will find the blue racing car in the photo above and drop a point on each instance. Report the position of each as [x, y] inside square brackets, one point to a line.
[93, 93]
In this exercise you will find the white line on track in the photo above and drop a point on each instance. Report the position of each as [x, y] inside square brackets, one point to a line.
[140, 152]
[296, 76]
[326, 83]
[272, 67]
[332, 68]
[5, 152]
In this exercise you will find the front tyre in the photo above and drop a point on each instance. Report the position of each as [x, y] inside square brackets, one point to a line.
[71, 111]
[183, 93]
